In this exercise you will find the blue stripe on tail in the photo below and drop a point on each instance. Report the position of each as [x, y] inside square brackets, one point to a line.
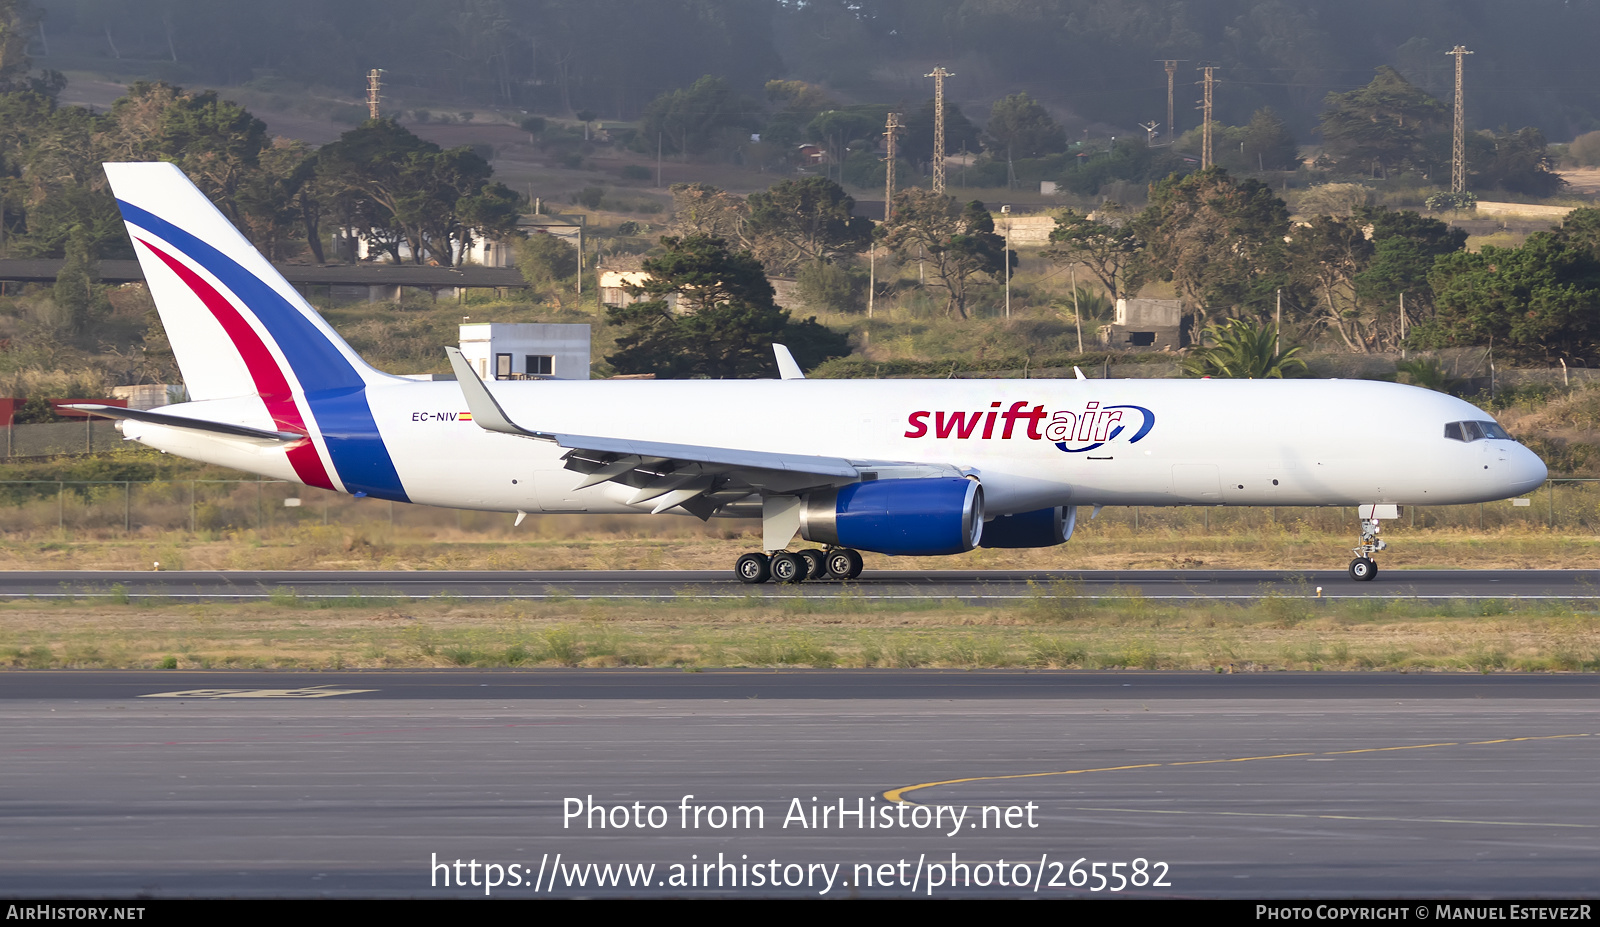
[333, 388]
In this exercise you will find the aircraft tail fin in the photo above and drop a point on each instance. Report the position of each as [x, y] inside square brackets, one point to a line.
[236, 326]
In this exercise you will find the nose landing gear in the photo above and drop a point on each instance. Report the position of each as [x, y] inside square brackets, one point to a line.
[1364, 568]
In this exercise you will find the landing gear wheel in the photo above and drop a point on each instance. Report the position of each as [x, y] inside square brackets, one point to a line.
[789, 568]
[1362, 569]
[816, 564]
[752, 569]
[844, 563]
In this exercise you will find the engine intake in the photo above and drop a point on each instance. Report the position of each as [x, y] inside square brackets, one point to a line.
[916, 518]
[1041, 528]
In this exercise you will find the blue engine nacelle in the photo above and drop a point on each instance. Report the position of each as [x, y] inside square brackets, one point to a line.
[1043, 528]
[901, 517]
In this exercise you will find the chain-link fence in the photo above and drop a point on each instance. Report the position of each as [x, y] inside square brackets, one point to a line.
[210, 506]
[102, 508]
[1562, 505]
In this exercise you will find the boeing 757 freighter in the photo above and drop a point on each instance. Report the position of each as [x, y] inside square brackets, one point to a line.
[902, 467]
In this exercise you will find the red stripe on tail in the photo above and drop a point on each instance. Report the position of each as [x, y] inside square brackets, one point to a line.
[271, 384]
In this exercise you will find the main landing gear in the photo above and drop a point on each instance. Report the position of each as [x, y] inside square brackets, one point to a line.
[1363, 568]
[797, 567]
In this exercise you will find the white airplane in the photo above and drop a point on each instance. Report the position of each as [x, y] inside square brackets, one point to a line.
[903, 467]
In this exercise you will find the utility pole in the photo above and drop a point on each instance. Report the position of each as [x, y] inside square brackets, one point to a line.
[373, 85]
[1077, 317]
[1458, 150]
[889, 132]
[1171, 65]
[1006, 212]
[938, 75]
[1205, 130]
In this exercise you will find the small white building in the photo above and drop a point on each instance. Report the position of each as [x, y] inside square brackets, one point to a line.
[615, 288]
[484, 252]
[527, 350]
[150, 395]
[1146, 323]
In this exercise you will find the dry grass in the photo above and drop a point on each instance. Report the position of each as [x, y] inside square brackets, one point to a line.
[1167, 541]
[1285, 630]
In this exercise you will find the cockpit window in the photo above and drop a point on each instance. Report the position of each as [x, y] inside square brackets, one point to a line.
[1474, 431]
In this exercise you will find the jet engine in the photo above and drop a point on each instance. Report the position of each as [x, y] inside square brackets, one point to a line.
[907, 517]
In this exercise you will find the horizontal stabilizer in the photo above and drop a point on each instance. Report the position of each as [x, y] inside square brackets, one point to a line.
[192, 424]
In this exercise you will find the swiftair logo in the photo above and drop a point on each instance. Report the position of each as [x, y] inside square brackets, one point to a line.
[1072, 431]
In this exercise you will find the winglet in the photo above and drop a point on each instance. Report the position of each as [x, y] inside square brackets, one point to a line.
[486, 412]
[1079, 373]
[787, 368]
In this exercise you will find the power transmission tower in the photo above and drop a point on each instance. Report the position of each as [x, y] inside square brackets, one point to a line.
[1458, 150]
[889, 132]
[1171, 65]
[373, 85]
[938, 75]
[1205, 131]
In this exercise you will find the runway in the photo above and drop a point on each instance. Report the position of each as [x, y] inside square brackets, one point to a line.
[362, 784]
[972, 586]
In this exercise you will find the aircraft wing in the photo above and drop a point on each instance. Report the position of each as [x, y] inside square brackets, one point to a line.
[699, 478]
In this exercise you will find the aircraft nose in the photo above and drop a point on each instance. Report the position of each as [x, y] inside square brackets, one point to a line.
[1528, 472]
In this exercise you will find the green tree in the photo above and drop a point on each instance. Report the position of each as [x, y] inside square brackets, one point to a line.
[1103, 248]
[545, 260]
[1535, 302]
[847, 127]
[79, 298]
[400, 191]
[1243, 349]
[1020, 128]
[1326, 256]
[1219, 241]
[1268, 144]
[725, 323]
[1405, 246]
[689, 120]
[794, 103]
[270, 199]
[1521, 163]
[806, 221]
[18, 21]
[959, 244]
[1386, 122]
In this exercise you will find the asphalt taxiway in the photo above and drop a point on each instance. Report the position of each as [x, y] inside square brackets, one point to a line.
[990, 585]
[357, 784]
